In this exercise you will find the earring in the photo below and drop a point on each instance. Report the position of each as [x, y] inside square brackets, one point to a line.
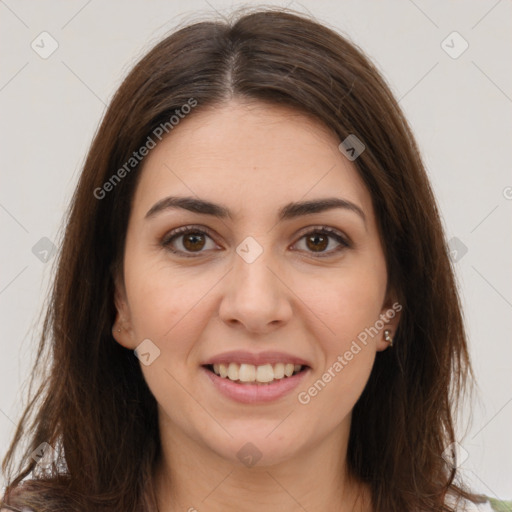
[388, 338]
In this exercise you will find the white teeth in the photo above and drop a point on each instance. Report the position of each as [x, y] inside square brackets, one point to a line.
[223, 370]
[233, 371]
[265, 373]
[247, 373]
[250, 373]
[278, 371]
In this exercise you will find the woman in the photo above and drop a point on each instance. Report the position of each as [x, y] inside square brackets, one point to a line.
[254, 307]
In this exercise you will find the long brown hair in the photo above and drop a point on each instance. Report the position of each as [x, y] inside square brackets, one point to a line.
[94, 407]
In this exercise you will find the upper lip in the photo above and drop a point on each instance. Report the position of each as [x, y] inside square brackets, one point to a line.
[256, 359]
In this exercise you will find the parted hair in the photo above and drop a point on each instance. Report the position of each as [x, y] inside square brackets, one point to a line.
[89, 400]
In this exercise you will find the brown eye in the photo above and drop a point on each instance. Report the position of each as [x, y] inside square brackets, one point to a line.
[193, 241]
[188, 241]
[317, 242]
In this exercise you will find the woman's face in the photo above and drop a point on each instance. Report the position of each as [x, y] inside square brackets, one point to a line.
[258, 284]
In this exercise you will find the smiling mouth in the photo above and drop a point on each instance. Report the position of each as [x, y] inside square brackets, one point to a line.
[251, 374]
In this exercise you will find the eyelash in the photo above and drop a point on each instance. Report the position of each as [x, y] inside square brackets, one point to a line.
[185, 230]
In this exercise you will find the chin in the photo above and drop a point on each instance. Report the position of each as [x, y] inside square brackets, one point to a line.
[260, 443]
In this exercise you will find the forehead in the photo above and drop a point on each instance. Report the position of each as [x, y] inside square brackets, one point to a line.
[249, 154]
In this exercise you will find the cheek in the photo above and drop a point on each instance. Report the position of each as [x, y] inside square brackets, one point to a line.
[346, 351]
[348, 305]
[156, 301]
[168, 306]
[347, 302]
[154, 305]
[167, 309]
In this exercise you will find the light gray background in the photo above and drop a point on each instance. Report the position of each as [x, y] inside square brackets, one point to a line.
[459, 109]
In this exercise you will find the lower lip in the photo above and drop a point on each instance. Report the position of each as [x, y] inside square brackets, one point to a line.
[255, 393]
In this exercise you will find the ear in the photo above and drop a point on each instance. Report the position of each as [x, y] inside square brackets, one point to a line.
[390, 317]
[122, 330]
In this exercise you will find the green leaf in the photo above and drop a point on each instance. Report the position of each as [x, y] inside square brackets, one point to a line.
[501, 506]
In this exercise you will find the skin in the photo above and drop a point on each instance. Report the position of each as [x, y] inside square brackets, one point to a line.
[253, 159]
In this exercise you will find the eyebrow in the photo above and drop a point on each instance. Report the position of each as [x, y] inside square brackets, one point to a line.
[287, 212]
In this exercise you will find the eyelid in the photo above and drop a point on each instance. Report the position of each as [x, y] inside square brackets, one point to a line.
[342, 239]
[174, 233]
[183, 230]
[338, 235]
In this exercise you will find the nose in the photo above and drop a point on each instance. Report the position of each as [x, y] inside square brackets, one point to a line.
[255, 296]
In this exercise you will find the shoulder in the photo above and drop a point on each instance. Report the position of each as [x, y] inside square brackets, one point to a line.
[8, 508]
